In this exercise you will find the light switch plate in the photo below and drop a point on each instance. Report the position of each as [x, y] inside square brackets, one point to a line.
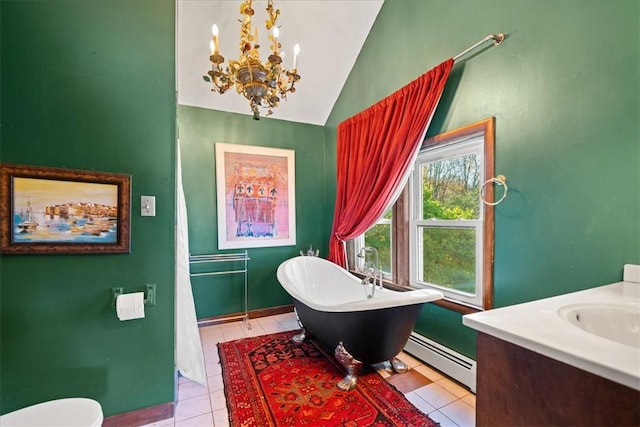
[148, 205]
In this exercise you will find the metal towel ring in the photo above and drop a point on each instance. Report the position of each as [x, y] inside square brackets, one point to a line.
[500, 180]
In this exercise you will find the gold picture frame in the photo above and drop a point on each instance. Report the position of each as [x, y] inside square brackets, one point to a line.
[48, 210]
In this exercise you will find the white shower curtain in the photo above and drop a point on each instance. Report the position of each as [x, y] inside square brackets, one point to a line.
[189, 357]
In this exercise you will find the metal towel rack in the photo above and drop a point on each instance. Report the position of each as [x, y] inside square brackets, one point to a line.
[226, 258]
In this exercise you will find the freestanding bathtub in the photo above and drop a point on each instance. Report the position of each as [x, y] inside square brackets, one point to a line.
[332, 305]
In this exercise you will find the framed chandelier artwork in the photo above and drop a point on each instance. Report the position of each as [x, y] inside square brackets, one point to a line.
[255, 196]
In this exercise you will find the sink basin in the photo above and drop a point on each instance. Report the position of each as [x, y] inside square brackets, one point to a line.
[615, 322]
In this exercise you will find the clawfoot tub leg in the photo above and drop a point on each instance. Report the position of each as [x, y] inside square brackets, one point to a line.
[352, 365]
[399, 366]
[299, 337]
[396, 364]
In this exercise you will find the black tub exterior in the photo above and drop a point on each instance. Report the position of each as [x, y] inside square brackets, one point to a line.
[371, 336]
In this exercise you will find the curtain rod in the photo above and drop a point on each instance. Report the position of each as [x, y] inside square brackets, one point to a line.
[497, 39]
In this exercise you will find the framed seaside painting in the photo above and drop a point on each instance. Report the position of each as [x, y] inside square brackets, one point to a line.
[255, 196]
[63, 211]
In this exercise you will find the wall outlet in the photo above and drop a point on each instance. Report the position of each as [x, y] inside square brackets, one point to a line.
[147, 205]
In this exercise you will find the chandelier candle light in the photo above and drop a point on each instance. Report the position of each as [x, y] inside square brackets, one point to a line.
[263, 84]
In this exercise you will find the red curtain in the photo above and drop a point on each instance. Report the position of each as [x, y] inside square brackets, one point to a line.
[376, 148]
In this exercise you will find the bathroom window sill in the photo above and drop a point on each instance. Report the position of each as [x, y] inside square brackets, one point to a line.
[457, 307]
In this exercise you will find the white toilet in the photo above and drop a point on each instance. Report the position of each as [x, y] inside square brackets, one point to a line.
[71, 412]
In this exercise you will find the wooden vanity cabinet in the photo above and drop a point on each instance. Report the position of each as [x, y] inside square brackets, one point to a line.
[519, 387]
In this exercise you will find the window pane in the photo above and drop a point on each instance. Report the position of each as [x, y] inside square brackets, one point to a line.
[450, 188]
[379, 236]
[449, 258]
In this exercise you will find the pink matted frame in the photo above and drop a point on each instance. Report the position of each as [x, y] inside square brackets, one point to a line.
[255, 196]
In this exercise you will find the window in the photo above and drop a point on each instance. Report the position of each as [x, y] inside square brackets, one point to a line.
[380, 237]
[446, 222]
[439, 234]
[448, 231]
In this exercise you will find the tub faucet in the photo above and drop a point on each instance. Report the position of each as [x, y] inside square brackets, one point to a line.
[372, 273]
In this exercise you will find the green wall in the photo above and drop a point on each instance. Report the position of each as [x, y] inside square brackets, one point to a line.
[90, 85]
[564, 89]
[199, 130]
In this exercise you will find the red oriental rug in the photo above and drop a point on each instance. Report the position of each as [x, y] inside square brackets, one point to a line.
[270, 381]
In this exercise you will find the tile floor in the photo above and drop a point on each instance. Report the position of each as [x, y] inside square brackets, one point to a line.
[446, 402]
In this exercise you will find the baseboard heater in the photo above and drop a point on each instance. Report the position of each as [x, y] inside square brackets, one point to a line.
[452, 363]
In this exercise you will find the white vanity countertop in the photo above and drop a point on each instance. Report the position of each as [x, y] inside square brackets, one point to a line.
[537, 326]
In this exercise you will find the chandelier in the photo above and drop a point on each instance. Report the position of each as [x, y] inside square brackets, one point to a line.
[262, 84]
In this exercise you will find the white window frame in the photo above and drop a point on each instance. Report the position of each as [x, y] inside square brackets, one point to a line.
[467, 145]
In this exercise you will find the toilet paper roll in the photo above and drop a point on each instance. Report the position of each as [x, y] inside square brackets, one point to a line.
[130, 306]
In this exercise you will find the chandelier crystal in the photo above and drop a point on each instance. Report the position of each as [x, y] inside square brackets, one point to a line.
[262, 84]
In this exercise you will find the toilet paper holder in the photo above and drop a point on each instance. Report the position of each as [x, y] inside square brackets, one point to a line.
[149, 295]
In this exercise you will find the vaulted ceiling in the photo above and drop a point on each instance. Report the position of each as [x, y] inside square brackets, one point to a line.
[330, 33]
